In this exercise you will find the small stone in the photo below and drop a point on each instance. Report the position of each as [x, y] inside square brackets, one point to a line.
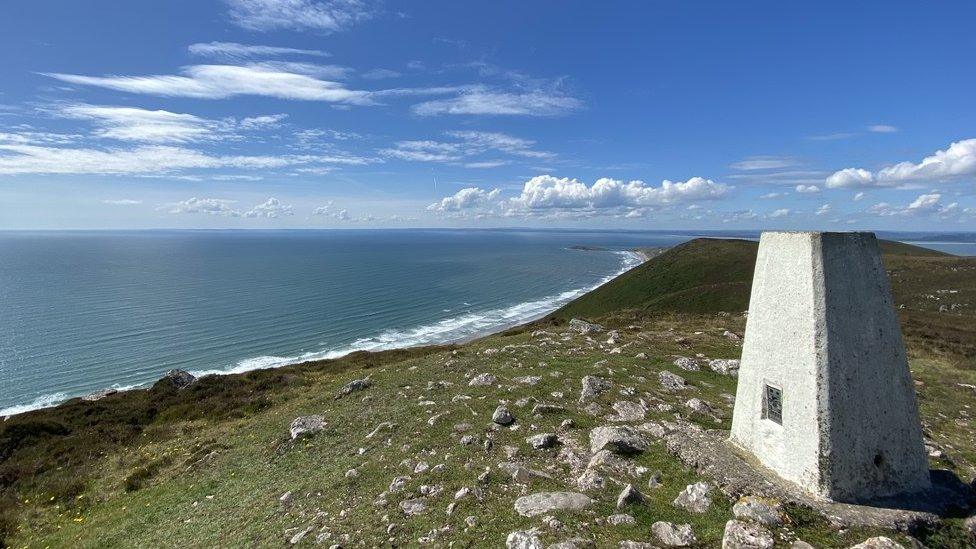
[655, 480]
[524, 539]
[621, 439]
[528, 380]
[483, 380]
[542, 503]
[352, 473]
[628, 411]
[584, 327]
[468, 440]
[800, 544]
[398, 484]
[729, 367]
[542, 441]
[355, 385]
[542, 409]
[471, 521]
[413, 507]
[617, 520]
[694, 497]
[286, 498]
[629, 496]
[503, 416]
[567, 424]
[700, 406]
[686, 363]
[593, 386]
[672, 381]
[299, 536]
[306, 426]
[746, 535]
[764, 511]
[879, 542]
[673, 535]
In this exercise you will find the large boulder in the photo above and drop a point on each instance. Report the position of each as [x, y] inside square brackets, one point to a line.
[306, 426]
[756, 509]
[673, 535]
[542, 503]
[620, 439]
[746, 535]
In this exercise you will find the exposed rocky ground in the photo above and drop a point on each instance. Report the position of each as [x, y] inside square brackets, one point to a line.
[551, 435]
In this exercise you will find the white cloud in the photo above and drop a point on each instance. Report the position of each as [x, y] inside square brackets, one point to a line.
[924, 204]
[148, 159]
[471, 197]
[317, 15]
[469, 144]
[782, 212]
[823, 210]
[486, 164]
[121, 202]
[850, 178]
[882, 128]
[476, 142]
[269, 209]
[483, 101]
[770, 196]
[380, 74]
[233, 50]
[548, 192]
[763, 163]
[135, 124]
[858, 196]
[807, 189]
[958, 160]
[222, 81]
[211, 206]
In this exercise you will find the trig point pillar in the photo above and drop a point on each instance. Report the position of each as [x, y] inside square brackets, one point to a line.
[825, 398]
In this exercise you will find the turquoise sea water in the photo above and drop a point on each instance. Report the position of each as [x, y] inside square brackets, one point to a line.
[83, 311]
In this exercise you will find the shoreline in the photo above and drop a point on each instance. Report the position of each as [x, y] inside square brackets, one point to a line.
[506, 318]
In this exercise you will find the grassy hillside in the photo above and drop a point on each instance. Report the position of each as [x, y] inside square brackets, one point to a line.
[208, 465]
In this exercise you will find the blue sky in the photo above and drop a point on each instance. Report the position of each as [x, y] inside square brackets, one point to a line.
[643, 115]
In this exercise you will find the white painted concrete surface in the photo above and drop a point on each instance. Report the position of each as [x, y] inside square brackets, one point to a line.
[822, 328]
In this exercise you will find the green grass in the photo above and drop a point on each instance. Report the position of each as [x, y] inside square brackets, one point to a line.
[205, 466]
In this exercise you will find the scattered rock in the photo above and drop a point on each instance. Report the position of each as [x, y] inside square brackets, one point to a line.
[593, 409]
[621, 439]
[593, 386]
[673, 535]
[694, 497]
[542, 440]
[970, 526]
[413, 507]
[528, 380]
[732, 336]
[629, 496]
[294, 540]
[306, 426]
[355, 385]
[520, 473]
[543, 409]
[671, 381]
[398, 484]
[541, 503]
[628, 411]
[468, 440]
[386, 425]
[879, 542]
[617, 520]
[286, 498]
[729, 367]
[584, 327]
[746, 535]
[483, 380]
[654, 481]
[100, 394]
[764, 511]
[700, 406]
[175, 379]
[800, 544]
[525, 539]
[503, 416]
[686, 363]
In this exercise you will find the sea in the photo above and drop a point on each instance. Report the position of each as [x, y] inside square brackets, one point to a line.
[82, 311]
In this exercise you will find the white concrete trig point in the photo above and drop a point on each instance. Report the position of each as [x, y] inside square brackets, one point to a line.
[825, 398]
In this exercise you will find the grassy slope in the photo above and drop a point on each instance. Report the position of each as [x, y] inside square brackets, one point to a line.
[205, 466]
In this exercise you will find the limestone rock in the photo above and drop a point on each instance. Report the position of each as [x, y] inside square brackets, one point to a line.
[628, 411]
[541, 503]
[528, 380]
[542, 440]
[686, 363]
[593, 386]
[412, 507]
[584, 327]
[520, 473]
[800, 544]
[306, 426]
[694, 497]
[503, 416]
[621, 439]
[483, 380]
[524, 539]
[700, 406]
[728, 367]
[629, 496]
[672, 381]
[617, 520]
[355, 385]
[879, 542]
[673, 535]
[99, 394]
[746, 535]
[543, 409]
[764, 511]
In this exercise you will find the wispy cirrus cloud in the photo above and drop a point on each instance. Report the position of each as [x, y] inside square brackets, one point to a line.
[764, 163]
[236, 51]
[467, 144]
[317, 15]
[481, 100]
[121, 202]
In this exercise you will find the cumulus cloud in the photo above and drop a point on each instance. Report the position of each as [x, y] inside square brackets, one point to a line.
[318, 15]
[269, 209]
[210, 206]
[807, 189]
[483, 101]
[470, 197]
[233, 50]
[283, 81]
[924, 204]
[958, 160]
[159, 126]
